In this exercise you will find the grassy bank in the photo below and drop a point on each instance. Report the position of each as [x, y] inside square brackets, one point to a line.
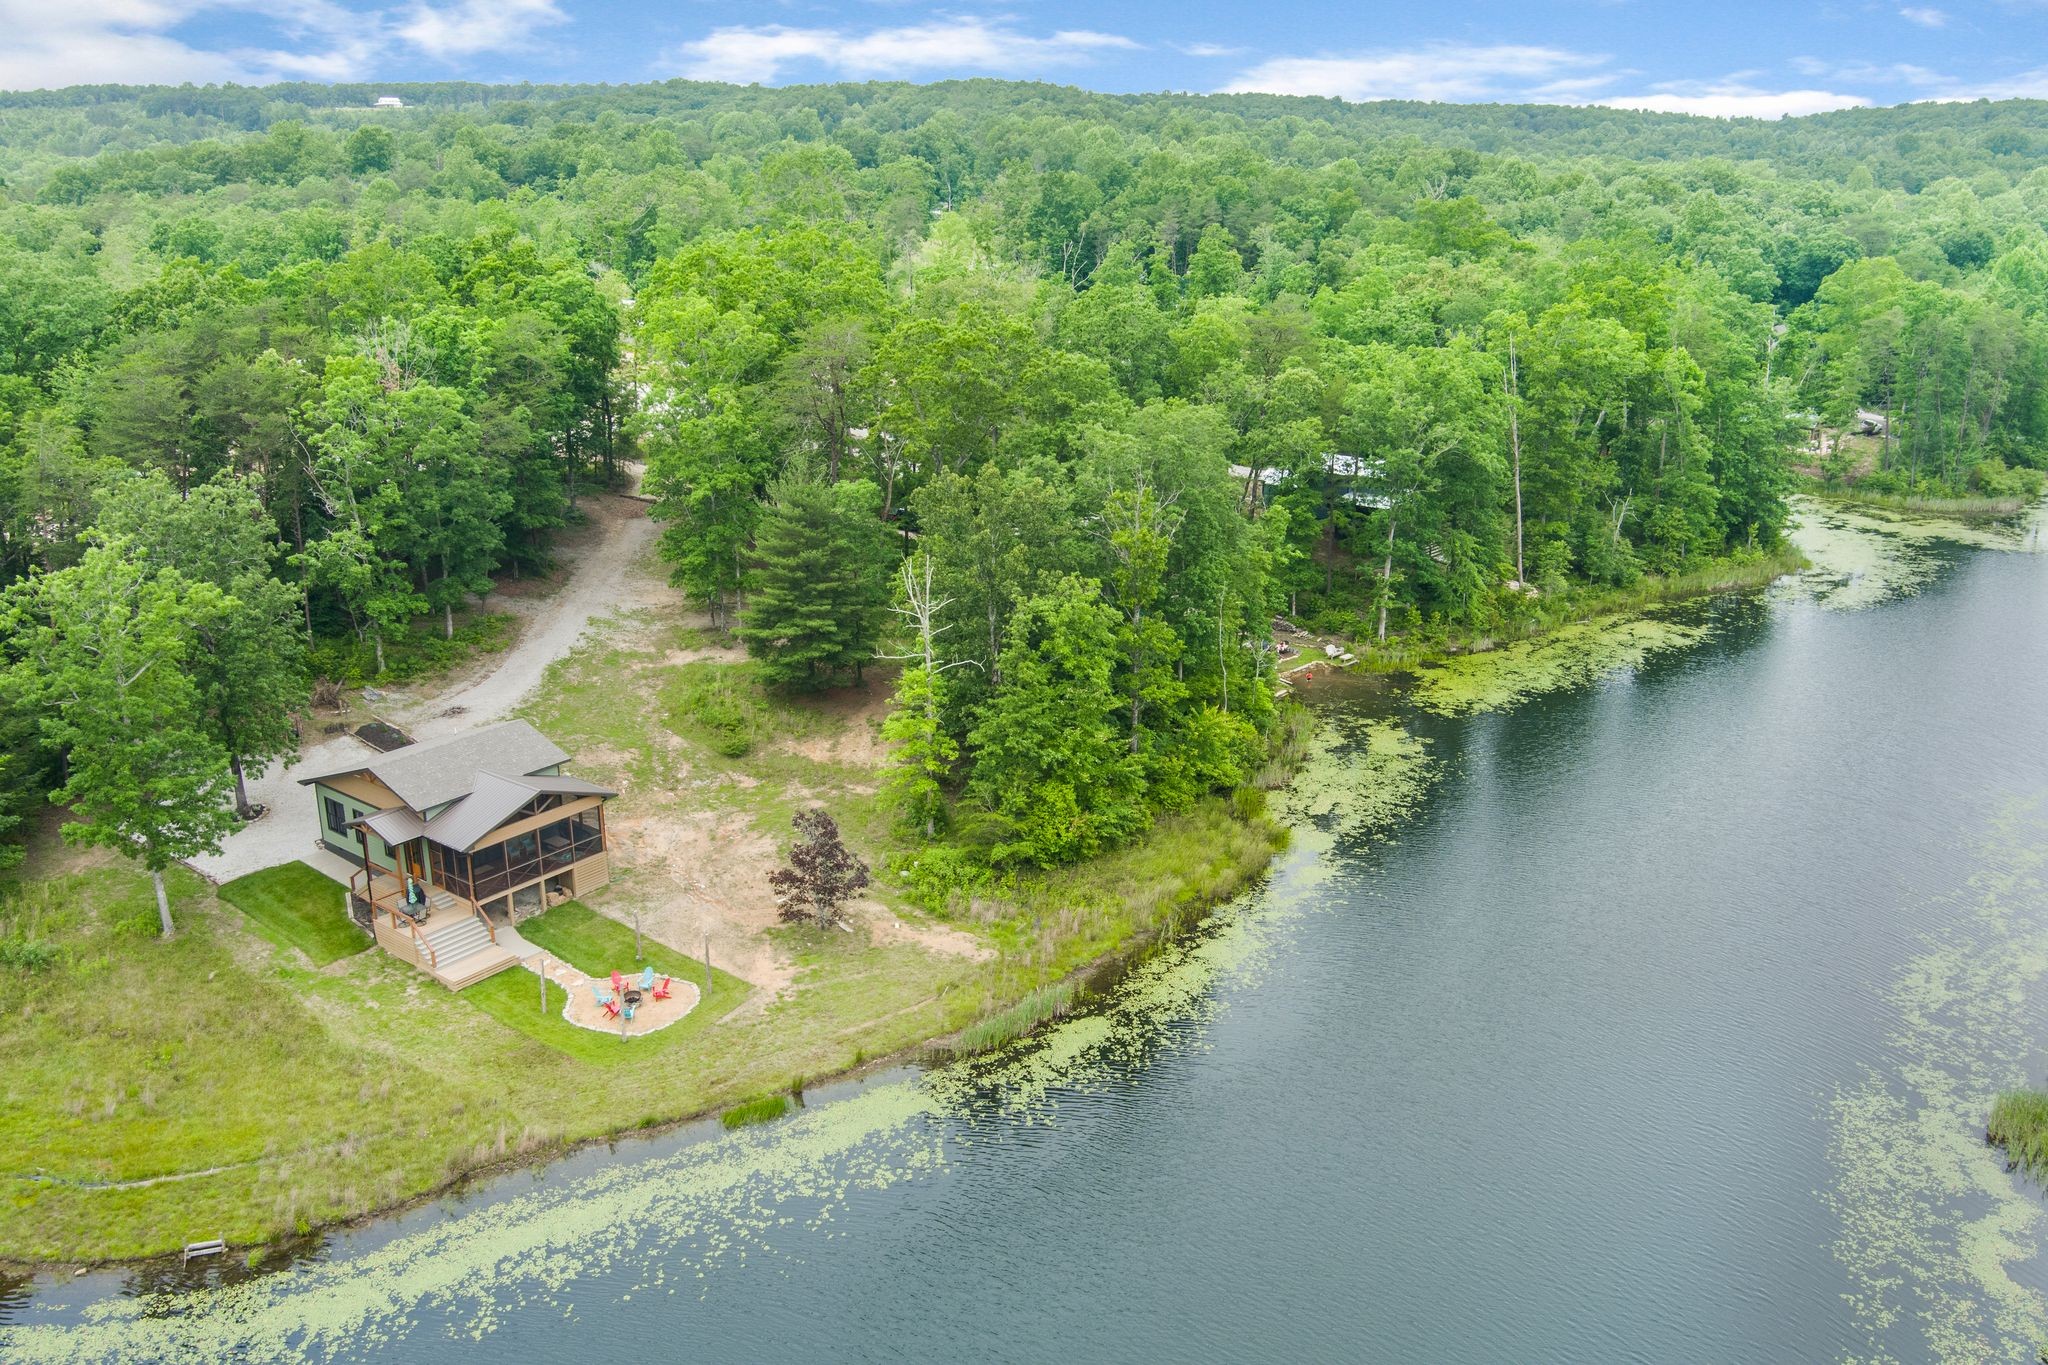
[1956, 509]
[220, 1084]
[1729, 573]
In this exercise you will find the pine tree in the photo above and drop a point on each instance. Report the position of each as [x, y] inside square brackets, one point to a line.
[818, 589]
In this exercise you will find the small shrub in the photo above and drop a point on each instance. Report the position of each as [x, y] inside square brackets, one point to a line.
[767, 1109]
[1248, 803]
[718, 705]
[28, 954]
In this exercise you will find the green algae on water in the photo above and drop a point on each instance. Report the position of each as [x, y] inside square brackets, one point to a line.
[1929, 1220]
[1860, 556]
[1570, 656]
[668, 1224]
[1360, 778]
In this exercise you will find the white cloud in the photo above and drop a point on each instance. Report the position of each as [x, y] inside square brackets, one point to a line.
[1928, 85]
[743, 54]
[1736, 100]
[1206, 50]
[472, 26]
[1924, 15]
[75, 42]
[1439, 71]
[2026, 85]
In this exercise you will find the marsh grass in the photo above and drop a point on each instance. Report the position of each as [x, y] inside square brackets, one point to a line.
[766, 1109]
[1957, 509]
[1729, 573]
[1027, 1016]
[2019, 1123]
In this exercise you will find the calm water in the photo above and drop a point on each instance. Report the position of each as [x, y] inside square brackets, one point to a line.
[1658, 1029]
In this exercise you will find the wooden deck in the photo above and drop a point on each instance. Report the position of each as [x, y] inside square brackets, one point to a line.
[450, 943]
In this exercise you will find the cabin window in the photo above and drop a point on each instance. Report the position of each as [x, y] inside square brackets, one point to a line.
[337, 818]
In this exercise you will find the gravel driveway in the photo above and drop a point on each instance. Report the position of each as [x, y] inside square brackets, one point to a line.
[610, 571]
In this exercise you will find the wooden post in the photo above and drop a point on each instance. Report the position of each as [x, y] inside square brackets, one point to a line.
[370, 878]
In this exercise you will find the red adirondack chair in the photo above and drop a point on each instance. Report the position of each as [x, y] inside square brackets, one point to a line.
[618, 983]
[661, 991]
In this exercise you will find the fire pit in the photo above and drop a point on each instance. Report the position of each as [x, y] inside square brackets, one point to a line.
[633, 996]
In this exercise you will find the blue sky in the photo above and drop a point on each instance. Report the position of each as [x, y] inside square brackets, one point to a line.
[1728, 58]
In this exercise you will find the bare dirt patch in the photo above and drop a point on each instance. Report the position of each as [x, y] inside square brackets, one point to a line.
[692, 873]
[886, 926]
[854, 736]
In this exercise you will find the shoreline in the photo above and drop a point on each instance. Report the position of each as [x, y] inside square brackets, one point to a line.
[1090, 981]
[1954, 509]
[1078, 988]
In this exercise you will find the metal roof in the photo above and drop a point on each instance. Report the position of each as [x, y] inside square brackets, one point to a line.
[394, 826]
[495, 798]
[436, 771]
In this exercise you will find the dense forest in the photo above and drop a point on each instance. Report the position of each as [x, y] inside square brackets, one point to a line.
[1054, 399]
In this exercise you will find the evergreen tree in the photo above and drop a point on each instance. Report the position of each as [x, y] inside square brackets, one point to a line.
[817, 583]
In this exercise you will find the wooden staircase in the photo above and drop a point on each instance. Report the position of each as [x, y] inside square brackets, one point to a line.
[462, 947]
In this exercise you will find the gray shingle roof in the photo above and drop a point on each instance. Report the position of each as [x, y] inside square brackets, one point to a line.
[428, 774]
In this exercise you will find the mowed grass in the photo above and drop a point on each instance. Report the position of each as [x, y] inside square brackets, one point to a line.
[295, 906]
[597, 946]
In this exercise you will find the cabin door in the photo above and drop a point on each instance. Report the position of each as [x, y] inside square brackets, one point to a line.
[415, 865]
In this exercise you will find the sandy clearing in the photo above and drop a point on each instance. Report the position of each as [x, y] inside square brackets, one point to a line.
[693, 873]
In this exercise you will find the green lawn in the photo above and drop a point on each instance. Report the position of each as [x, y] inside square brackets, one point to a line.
[598, 946]
[296, 907]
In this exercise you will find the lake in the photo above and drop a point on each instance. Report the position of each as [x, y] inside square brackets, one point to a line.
[1620, 1002]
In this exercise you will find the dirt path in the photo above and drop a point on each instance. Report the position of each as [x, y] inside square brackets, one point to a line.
[612, 570]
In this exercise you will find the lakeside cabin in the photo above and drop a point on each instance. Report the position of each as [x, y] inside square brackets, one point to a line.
[457, 839]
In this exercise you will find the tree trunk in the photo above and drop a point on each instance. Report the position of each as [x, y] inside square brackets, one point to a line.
[241, 787]
[447, 620]
[163, 902]
[377, 638]
[1386, 580]
[1515, 448]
